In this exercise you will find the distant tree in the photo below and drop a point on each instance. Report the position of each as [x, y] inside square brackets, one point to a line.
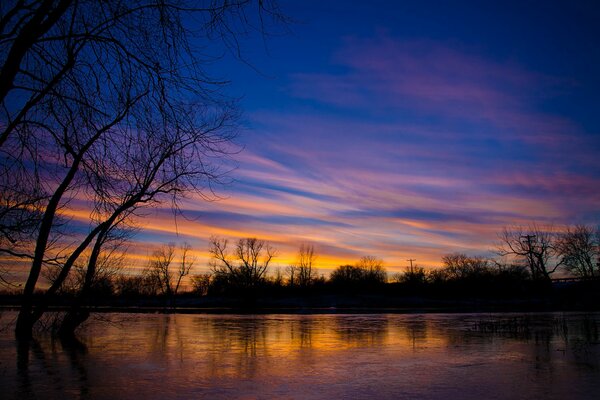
[201, 283]
[245, 266]
[533, 247]
[162, 275]
[292, 275]
[579, 250]
[278, 279]
[414, 276]
[367, 272]
[347, 274]
[127, 285]
[436, 276]
[373, 269]
[459, 266]
[301, 272]
[509, 279]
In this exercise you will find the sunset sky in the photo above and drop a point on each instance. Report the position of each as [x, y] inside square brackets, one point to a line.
[407, 130]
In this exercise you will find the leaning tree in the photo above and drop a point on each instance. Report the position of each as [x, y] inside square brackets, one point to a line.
[108, 106]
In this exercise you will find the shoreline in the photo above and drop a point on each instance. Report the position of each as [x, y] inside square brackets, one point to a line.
[315, 310]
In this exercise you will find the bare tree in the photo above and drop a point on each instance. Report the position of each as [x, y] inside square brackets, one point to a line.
[305, 263]
[347, 274]
[459, 266]
[91, 90]
[534, 247]
[128, 285]
[44, 43]
[96, 267]
[413, 275]
[368, 271]
[301, 272]
[165, 279]
[373, 269]
[292, 274]
[579, 249]
[158, 269]
[201, 283]
[246, 265]
[185, 265]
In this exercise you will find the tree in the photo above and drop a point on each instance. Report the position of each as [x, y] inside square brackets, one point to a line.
[201, 283]
[373, 270]
[347, 275]
[459, 266]
[92, 91]
[160, 273]
[412, 276]
[108, 265]
[579, 250]
[534, 247]
[245, 266]
[97, 277]
[132, 285]
[367, 272]
[301, 272]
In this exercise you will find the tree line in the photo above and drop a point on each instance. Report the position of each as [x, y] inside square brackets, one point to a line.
[243, 268]
[529, 253]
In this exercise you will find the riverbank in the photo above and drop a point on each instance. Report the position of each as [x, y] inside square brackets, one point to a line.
[324, 304]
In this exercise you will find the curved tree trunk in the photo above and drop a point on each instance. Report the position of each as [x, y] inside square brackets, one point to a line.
[77, 313]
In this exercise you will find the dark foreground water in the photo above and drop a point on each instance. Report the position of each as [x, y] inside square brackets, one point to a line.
[431, 356]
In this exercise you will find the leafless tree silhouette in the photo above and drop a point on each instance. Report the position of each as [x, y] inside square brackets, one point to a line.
[201, 283]
[301, 272]
[534, 247]
[165, 278]
[368, 270]
[246, 265]
[460, 266]
[109, 103]
[579, 249]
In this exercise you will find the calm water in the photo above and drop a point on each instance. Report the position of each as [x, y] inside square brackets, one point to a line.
[432, 356]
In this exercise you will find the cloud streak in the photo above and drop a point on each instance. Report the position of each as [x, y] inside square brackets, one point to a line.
[399, 149]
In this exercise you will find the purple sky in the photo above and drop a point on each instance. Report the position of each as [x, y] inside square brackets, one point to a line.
[408, 130]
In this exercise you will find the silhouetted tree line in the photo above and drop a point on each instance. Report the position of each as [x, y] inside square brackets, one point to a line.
[241, 269]
[461, 275]
[367, 274]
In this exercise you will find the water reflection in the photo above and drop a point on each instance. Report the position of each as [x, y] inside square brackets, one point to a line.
[361, 330]
[52, 365]
[318, 356]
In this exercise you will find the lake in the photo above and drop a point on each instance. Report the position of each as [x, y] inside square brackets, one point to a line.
[327, 356]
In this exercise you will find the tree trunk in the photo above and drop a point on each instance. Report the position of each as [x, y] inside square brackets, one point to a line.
[24, 328]
[75, 317]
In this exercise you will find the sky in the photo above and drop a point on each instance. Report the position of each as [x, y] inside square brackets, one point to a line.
[406, 130]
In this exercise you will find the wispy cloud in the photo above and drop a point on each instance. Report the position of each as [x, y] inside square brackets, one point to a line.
[433, 80]
[400, 150]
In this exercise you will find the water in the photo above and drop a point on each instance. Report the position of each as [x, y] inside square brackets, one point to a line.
[430, 356]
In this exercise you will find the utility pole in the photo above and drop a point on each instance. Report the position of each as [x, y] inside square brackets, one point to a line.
[411, 264]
